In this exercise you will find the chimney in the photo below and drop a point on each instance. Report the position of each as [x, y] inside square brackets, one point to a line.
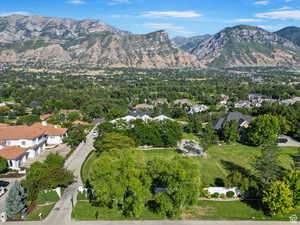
[44, 123]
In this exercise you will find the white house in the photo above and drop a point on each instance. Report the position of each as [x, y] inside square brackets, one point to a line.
[223, 190]
[198, 109]
[18, 143]
[54, 134]
[145, 118]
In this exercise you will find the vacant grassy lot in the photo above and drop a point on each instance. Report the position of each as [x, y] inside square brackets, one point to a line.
[220, 161]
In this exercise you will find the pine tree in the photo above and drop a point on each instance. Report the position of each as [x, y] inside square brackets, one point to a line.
[16, 201]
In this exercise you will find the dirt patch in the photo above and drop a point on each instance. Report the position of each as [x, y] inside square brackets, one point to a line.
[195, 213]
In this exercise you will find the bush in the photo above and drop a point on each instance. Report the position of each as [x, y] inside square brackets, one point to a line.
[215, 195]
[230, 194]
[222, 196]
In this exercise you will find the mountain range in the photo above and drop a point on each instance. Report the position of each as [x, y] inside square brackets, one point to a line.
[36, 40]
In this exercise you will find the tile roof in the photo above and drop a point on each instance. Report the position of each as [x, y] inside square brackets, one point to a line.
[19, 132]
[50, 129]
[12, 152]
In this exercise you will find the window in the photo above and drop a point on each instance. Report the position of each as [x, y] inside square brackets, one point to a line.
[23, 143]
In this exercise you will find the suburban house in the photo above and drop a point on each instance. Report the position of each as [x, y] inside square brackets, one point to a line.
[143, 117]
[182, 102]
[223, 191]
[198, 109]
[241, 119]
[55, 134]
[19, 143]
[160, 101]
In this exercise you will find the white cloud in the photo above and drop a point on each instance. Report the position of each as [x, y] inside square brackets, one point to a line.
[244, 20]
[13, 13]
[76, 2]
[118, 2]
[174, 14]
[261, 3]
[283, 8]
[168, 27]
[281, 15]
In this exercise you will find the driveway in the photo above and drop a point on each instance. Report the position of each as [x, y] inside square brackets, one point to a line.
[291, 142]
[61, 150]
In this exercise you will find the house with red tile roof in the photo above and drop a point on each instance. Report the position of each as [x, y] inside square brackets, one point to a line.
[19, 143]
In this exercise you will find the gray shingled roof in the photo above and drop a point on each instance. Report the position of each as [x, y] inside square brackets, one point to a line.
[237, 116]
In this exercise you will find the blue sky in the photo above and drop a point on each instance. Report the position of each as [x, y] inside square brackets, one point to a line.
[178, 17]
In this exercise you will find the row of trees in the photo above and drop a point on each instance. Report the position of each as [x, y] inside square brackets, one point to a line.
[159, 134]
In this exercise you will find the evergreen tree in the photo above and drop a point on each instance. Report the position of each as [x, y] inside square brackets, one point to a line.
[16, 201]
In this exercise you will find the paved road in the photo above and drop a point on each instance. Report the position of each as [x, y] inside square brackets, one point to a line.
[61, 214]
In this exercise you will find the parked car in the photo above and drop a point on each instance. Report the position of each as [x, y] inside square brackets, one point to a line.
[282, 140]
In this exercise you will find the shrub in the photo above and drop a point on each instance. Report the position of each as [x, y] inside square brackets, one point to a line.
[215, 195]
[230, 194]
[222, 196]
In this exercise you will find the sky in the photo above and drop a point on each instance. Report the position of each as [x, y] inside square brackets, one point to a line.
[177, 17]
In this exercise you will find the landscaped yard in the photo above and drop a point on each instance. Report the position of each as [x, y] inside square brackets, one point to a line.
[219, 162]
[44, 210]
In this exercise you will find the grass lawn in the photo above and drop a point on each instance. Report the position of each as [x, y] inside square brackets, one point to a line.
[45, 210]
[85, 211]
[50, 196]
[87, 166]
[231, 210]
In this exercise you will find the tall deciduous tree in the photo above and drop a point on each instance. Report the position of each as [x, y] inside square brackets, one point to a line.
[113, 141]
[119, 180]
[263, 130]
[15, 202]
[176, 184]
